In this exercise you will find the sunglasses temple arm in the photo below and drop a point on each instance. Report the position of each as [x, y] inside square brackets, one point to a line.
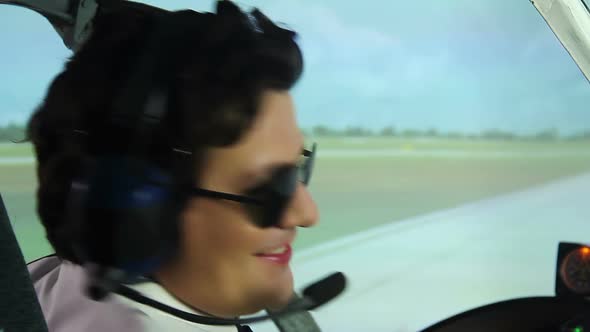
[226, 196]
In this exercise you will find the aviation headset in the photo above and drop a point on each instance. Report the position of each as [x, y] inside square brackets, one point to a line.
[124, 208]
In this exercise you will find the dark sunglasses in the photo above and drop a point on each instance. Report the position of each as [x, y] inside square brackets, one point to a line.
[267, 202]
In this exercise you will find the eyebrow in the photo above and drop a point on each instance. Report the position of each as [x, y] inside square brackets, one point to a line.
[272, 167]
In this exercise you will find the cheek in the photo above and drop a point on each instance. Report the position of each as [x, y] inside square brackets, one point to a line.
[217, 232]
[217, 254]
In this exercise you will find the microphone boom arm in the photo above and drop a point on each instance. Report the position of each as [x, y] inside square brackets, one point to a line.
[314, 296]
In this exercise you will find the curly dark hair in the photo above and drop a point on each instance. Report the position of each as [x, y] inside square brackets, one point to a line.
[222, 73]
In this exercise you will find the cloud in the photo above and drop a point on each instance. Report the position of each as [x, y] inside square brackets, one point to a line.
[414, 63]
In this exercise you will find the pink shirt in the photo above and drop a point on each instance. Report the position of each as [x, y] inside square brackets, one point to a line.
[59, 285]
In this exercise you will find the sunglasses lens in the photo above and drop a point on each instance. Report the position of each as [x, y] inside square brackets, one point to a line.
[270, 214]
[275, 194]
[258, 215]
[306, 167]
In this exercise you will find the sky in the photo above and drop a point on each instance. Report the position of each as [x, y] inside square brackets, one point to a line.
[456, 65]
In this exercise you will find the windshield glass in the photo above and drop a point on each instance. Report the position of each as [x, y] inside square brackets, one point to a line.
[453, 150]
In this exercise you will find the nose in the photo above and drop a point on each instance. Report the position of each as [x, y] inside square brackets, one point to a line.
[302, 210]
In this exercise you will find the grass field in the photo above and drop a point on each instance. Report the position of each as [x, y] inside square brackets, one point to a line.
[8, 149]
[357, 190]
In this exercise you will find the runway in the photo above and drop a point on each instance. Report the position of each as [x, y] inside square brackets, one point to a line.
[399, 153]
[407, 275]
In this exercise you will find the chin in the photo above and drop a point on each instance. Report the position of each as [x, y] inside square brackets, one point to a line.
[273, 302]
[273, 297]
[281, 297]
[280, 302]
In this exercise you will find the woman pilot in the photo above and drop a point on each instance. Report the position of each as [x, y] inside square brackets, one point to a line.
[169, 147]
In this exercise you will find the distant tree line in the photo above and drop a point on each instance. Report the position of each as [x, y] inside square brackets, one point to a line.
[12, 132]
[549, 134]
[16, 132]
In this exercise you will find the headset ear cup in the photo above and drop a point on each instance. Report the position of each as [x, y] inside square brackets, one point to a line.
[130, 215]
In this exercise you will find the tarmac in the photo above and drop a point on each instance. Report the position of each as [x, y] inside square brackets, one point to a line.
[407, 275]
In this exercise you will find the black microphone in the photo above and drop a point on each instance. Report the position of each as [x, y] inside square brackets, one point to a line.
[324, 290]
[314, 295]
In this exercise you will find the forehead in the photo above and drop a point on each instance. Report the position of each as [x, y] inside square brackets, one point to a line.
[275, 124]
[273, 137]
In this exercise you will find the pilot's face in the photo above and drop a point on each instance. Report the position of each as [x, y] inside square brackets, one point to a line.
[219, 269]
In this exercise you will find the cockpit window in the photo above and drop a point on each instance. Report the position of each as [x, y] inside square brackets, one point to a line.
[454, 149]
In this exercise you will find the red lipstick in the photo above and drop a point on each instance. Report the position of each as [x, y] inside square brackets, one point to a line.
[282, 258]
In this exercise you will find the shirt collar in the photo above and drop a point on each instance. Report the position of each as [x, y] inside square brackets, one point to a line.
[155, 291]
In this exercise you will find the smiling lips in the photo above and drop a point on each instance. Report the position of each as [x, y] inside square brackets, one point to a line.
[280, 255]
